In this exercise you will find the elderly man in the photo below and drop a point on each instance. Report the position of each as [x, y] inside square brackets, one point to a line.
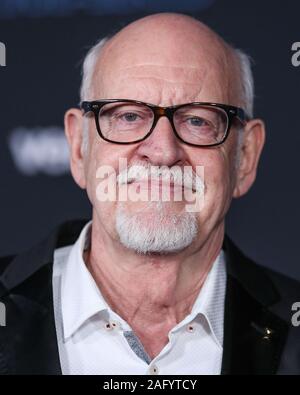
[152, 285]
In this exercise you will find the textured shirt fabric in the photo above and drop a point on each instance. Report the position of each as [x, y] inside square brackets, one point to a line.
[93, 339]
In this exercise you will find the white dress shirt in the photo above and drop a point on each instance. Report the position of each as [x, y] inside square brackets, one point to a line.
[93, 339]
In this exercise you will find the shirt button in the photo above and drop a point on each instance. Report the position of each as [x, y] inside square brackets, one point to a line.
[115, 324]
[108, 326]
[190, 328]
[153, 369]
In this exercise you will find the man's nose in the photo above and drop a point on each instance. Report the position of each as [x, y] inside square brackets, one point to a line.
[162, 147]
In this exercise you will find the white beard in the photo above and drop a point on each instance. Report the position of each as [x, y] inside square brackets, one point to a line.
[155, 229]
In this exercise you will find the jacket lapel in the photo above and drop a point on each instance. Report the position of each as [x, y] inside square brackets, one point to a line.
[253, 336]
[32, 343]
[28, 343]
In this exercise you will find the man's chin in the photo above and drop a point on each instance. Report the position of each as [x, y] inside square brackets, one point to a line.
[156, 230]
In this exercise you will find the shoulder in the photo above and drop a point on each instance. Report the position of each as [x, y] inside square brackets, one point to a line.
[16, 270]
[289, 286]
[5, 261]
[288, 290]
[264, 284]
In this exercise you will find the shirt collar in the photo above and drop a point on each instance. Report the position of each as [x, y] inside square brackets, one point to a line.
[80, 296]
[211, 298]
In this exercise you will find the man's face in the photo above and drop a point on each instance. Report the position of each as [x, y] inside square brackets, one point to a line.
[166, 70]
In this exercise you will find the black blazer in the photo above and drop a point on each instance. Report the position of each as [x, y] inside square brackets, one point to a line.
[258, 335]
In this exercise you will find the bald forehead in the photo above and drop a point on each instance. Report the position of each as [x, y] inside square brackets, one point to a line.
[169, 46]
[165, 38]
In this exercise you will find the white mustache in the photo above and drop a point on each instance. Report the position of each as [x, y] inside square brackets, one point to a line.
[185, 178]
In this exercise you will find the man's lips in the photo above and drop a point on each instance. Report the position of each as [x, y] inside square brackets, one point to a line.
[159, 184]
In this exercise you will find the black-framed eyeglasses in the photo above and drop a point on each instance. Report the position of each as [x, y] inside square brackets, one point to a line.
[200, 124]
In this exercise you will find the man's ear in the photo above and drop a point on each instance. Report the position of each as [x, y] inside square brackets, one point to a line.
[74, 129]
[251, 148]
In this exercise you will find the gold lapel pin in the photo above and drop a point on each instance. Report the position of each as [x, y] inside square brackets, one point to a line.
[267, 333]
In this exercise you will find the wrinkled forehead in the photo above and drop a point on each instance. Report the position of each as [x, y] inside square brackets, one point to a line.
[193, 64]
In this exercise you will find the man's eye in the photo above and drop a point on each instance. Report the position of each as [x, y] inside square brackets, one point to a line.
[195, 121]
[129, 117]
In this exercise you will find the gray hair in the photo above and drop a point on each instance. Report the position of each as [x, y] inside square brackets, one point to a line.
[244, 62]
[88, 68]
